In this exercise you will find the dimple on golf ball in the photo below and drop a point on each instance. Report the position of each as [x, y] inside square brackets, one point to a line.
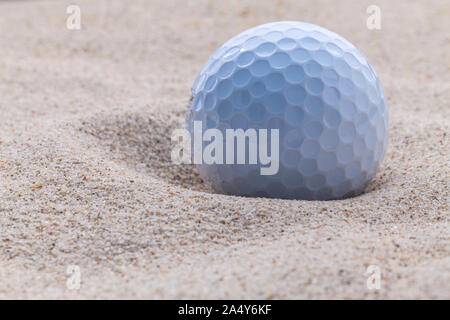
[316, 88]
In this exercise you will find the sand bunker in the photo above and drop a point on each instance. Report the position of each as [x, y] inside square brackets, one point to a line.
[85, 176]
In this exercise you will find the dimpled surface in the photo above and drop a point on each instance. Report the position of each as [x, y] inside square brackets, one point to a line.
[317, 89]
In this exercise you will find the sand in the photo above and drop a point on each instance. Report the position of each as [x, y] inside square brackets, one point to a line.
[85, 176]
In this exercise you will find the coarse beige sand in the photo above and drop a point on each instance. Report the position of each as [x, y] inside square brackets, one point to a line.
[85, 176]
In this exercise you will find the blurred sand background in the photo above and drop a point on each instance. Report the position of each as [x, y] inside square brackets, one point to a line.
[85, 177]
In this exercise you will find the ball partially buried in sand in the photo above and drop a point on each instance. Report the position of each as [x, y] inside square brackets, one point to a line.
[288, 110]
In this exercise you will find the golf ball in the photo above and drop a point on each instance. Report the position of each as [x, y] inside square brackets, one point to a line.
[311, 84]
